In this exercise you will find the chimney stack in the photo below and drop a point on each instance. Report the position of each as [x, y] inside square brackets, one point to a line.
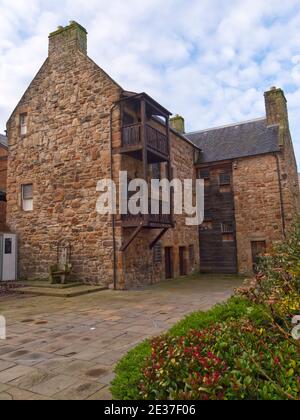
[68, 39]
[178, 124]
[276, 107]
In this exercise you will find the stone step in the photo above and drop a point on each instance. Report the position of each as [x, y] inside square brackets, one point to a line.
[47, 285]
[63, 293]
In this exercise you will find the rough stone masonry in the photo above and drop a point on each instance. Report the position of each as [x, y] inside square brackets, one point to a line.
[74, 116]
[65, 151]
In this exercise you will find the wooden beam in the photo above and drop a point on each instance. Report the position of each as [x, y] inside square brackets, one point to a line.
[144, 144]
[127, 149]
[160, 112]
[132, 238]
[170, 172]
[153, 243]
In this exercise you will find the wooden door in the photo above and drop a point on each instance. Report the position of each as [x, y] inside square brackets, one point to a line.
[182, 263]
[169, 263]
[217, 254]
[259, 248]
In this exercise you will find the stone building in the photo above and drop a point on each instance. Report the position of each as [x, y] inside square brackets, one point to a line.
[252, 191]
[73, 127]
[3, 180]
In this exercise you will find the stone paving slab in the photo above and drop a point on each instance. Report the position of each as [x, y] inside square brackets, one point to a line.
[80, 391]
[63, 293]
[66, 349]
[54, 385]
[15, 372]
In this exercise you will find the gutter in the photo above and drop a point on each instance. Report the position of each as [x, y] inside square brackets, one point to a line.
[281, 195]
[113, 218]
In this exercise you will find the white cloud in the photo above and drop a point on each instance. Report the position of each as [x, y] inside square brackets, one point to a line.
[210, 60]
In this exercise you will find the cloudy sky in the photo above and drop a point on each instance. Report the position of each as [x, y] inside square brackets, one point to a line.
[209, 60]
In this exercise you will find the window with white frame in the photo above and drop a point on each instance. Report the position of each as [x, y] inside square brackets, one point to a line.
[27, 197]
[23, 124]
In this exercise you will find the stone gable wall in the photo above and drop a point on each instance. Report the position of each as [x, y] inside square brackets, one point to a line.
[257, 205]
[64, 154]
[289, 181]
[277, 113]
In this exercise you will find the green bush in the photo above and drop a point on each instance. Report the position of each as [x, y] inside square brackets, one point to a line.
[129, 373]
[129, 370]
[277, 284]
[234, 361]
[235, 308]
[240, 350]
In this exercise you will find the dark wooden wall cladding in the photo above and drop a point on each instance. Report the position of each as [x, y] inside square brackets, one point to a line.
[218, 250]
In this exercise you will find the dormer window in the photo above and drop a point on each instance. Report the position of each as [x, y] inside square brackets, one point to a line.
[23, 124]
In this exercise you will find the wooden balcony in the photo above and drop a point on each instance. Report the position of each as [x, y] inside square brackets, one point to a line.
[155, 141]
[145, 136]
[151, 221]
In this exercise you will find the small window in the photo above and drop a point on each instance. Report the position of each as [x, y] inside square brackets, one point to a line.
[224, 180]
[8, 246]
[157, 253]
[228, 232]
[227, 228]
[204, 174]
[27, 197]
[23, 124]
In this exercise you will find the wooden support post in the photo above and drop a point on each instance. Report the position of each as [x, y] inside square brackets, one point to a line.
[122, 123]
[132, 237]
[145, 148]
[152, 245]
[170, 174]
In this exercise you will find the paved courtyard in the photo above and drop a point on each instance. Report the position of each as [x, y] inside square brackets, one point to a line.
[67, 348]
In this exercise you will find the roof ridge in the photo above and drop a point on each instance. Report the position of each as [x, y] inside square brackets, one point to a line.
[227, 126]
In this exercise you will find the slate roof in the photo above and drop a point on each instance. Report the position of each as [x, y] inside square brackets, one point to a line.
[235, 141]
[3, 140]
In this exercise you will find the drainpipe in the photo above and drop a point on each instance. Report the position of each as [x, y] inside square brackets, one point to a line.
[281, 195]
[113, 218]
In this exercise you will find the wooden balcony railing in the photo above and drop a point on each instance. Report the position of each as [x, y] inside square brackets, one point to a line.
[149, 219]
[155, 140]
[132, 135]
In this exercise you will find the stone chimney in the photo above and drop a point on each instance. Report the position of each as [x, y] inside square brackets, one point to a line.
[68, 39]
[276, 107]
[177, 123]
